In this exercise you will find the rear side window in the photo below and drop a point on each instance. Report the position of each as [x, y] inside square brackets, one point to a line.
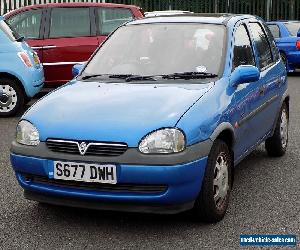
[262, 45]
[27, 24]
[70, 22]
[274, 30]
[111, 18]
[242, 52]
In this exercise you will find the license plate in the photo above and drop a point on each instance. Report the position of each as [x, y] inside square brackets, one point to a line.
[72, 171]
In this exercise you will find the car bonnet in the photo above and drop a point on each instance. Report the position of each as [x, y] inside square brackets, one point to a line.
[117, 112]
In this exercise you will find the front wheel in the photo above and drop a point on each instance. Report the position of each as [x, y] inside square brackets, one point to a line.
[11, 97]
[212, 202]
[277, 144]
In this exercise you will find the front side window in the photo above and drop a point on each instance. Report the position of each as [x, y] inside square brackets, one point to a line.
[242, 52]
[112, 18]
[293, 28]
[262, 45]
[70, 22]
[27, 24]
[274, 30]
[161, 48]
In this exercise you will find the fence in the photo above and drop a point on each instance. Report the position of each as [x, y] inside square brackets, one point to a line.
[268, 9]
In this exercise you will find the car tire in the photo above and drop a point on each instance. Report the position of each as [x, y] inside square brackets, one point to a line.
[211, 204]
[12, 98]
[277, 144]
[284, 60]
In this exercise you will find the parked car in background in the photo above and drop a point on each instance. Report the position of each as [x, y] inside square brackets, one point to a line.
[166, 13]
[287, 37]
[21, 74]
[68, 33]
[151, 129]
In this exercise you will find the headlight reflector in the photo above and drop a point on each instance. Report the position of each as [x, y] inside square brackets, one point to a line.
[27, 134]
[163, 141]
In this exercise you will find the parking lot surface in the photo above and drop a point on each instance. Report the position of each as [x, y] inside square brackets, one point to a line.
[265, 200]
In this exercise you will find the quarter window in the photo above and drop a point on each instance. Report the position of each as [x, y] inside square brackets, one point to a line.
[112, 18]
[70, 22]
[243, 54]
[262, 45]
[27, 24]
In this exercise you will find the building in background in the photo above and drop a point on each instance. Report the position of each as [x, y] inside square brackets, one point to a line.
[268, 9]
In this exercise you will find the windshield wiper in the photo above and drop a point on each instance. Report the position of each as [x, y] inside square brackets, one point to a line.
[90, 76]
[140, 78]
[121, 76]
[189, 75]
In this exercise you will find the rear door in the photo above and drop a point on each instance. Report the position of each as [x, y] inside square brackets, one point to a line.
[30, 24]
[109, 19]
[266, 99]
[70, 39]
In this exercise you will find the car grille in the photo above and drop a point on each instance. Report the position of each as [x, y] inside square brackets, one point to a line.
[136, 188]
[93, 148]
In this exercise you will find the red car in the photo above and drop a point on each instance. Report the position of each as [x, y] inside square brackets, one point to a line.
[64, 34]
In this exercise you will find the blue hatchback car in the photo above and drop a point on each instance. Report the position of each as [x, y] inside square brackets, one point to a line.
[287, 38]
[158, 118]
[21, 74]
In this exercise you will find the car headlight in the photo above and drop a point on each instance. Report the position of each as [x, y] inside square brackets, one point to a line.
[27, 134]
[163, 141]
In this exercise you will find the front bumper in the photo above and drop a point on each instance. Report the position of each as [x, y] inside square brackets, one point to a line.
[180, 182]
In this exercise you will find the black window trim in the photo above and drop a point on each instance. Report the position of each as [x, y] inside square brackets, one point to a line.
[250, 40]
[265, 26]
[48, 23]
[42, 24]
[263, 29]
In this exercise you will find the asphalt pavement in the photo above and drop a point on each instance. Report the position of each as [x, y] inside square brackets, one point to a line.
[265, 200]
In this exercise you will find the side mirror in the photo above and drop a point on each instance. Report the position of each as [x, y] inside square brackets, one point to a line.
[244, 74]
[77, 69]
[298, 33]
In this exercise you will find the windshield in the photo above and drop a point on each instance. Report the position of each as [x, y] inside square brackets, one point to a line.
[157, 49]
[8, 31]
[293, 28]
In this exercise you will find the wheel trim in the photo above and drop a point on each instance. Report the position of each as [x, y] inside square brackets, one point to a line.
[221, 180]
[284, 128]
[9, 98]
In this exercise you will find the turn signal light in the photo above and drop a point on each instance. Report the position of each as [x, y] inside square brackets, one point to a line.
[298, 44]
[25, 59]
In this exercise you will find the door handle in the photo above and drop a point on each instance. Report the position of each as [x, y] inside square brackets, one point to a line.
[262, 90]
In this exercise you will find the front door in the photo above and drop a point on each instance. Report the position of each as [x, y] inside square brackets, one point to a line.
[243, 54]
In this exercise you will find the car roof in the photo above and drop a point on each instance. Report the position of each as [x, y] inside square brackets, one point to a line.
[70, 5]
[211, 18]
